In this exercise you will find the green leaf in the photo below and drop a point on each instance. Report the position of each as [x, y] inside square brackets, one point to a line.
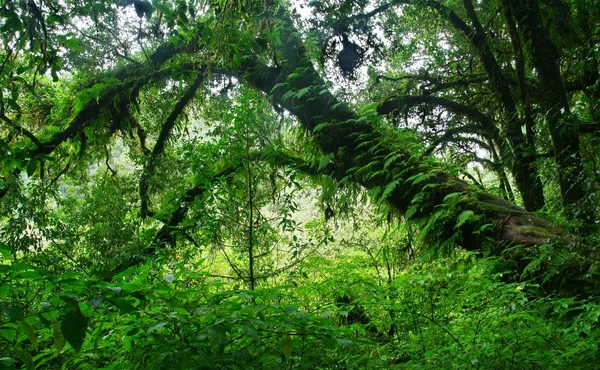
[465, 217]
[14, 311]
[320, 127]
[452, 196]
[250, 331]
[73, 327]
[12, 25]
[410, 211]
[300, 93]
[30, 334]
[124, 306]
[28, 275]
[286, 346]
[25, 357]
[389, 189]
[218, 338]
[6, 251]
[156, 326]
[392, 158]
[132, 331]
[420, 177]
[8, 334]
[73, 43]
[59, 339]
[279, 85]
[325, 160]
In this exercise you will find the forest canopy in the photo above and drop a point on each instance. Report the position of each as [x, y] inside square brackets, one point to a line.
[310, 184]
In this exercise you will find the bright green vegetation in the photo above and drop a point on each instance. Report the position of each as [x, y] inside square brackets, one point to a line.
[194, 184]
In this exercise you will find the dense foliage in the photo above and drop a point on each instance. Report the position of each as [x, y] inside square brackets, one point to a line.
[353, 184]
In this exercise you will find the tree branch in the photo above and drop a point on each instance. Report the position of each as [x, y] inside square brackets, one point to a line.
[161, 142]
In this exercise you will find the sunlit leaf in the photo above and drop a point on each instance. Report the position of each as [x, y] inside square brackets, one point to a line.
[59, 339]
[286, 346]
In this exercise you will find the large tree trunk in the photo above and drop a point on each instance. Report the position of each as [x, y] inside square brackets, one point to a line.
[411, 182]
[554, 102]
[522, 160]
[376, 157]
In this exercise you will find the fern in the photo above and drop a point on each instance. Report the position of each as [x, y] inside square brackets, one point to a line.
[390, 188]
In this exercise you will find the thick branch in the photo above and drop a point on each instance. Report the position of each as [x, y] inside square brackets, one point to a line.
[399, 103]
[20, 130]
[274, 157]
[161, 142]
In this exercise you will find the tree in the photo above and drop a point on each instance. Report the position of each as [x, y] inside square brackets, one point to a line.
[231, 184]
[267, 52]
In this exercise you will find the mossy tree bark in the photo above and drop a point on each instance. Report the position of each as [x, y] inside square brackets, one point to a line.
[412, 182]
[554, 102]
[364, 151]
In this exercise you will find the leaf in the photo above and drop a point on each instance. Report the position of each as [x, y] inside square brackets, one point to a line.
[156, 326]
[124, 306]
[13, 311]
[73, 43]
[325, 160]
[30, 334]
[320, 127]
[169, 278]
[452, 196]
[389, 189]
[25, 357]
[8, 334]
[59, 339]
[73, 327]
[279, 85]
[286, 346]
[392, 158]
[420, 177]
[133, 331]
[410, 211]
[71, 302]
[96, 300]
[6, 251]
[218, 338]
[465, 217]
[12, 24]
[250, 331]
[32, 167]
[300, 93]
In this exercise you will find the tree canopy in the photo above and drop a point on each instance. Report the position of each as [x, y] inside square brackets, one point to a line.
[182, 172]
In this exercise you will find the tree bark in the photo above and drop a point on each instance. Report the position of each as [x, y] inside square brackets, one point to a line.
[523, 161]
[413, 183]
[554, 102]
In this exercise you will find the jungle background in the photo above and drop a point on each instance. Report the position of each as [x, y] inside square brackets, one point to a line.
[336, 184]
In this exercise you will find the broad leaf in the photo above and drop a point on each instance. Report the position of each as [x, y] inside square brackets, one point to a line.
[73, 327]
[59, 339]
[286, 346]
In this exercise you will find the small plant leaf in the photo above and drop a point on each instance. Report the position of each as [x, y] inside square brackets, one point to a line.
[25, 357]
[59, 339]
[286, 346]
[73, 327]
[30, 334]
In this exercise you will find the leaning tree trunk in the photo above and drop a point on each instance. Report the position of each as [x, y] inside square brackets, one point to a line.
[414, 184]
[371, 154]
